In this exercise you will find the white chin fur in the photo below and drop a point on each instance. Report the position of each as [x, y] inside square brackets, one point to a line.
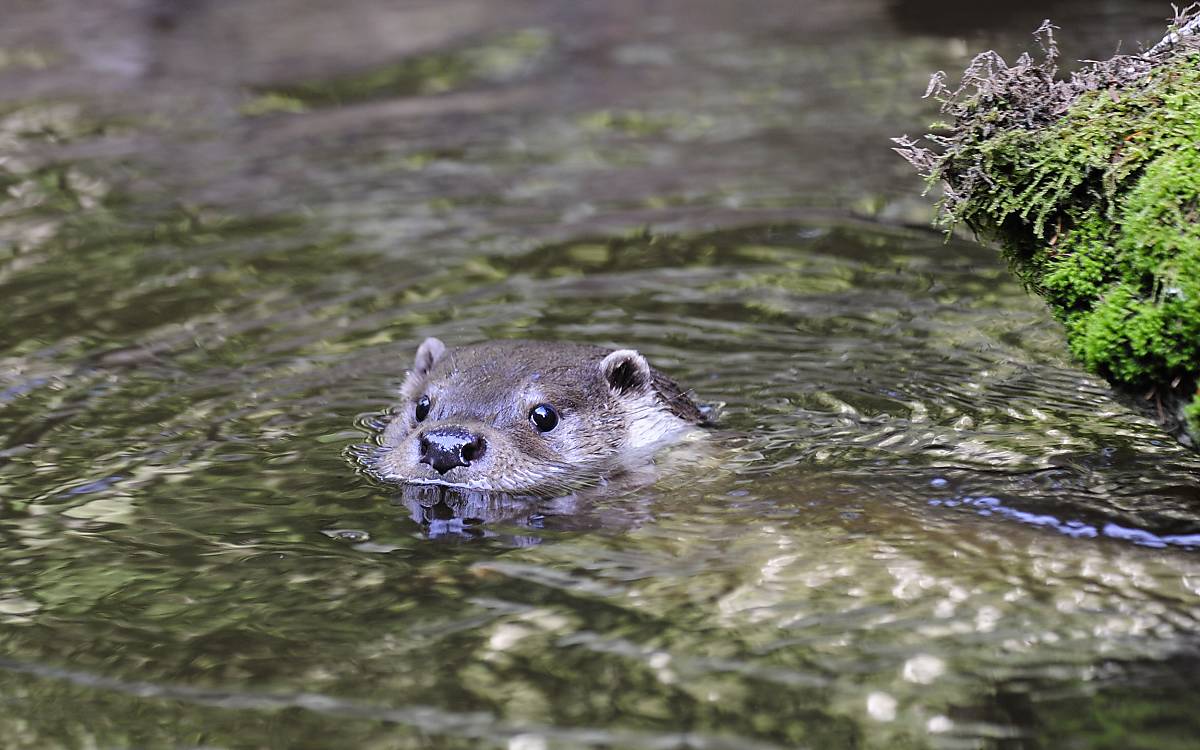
[473, 485]
[650, 425]
[456, 485]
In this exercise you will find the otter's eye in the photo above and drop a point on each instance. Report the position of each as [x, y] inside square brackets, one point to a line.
[422, 409]
[544, 417]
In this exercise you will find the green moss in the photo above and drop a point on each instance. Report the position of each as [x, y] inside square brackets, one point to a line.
[1099, 212]
[501, 58]
[1037, 176]
[270, 103]
[1192, 414]
[1078, 270]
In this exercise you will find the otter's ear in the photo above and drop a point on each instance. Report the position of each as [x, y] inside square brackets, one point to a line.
[428, 353]
[625, 370]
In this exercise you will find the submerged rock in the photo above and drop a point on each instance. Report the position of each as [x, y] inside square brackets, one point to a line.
[1091, 185]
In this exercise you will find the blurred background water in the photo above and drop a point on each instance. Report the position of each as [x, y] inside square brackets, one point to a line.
[224, 228]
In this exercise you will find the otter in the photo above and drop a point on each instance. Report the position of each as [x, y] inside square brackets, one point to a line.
[529, 417]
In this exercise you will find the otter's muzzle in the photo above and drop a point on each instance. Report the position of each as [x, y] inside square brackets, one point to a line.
[443, 448]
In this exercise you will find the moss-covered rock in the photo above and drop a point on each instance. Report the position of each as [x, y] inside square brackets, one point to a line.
[1091, 186]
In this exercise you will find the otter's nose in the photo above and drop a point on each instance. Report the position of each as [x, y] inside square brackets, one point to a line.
[443, 448]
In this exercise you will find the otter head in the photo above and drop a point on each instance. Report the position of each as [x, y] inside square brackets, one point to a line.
[524, 417]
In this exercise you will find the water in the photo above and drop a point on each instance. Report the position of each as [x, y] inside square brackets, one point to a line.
[926, 528]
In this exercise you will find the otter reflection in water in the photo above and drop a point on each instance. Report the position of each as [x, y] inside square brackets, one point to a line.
[529, 418]
[445, 511]
[449, 512]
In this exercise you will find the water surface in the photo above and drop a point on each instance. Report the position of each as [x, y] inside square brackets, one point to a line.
[927, 527]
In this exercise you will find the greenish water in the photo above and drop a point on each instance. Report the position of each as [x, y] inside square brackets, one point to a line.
[927, 528]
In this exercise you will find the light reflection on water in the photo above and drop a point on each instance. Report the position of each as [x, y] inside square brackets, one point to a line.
[925, 526]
